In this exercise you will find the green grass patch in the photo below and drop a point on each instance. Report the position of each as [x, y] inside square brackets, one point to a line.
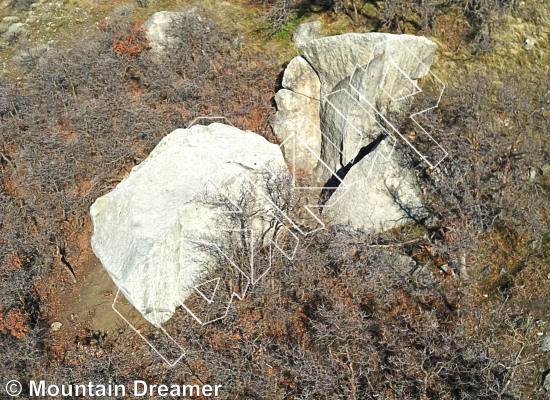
[286, 30]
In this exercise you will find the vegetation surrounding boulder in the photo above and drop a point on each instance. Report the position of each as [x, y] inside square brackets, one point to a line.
[451, 306]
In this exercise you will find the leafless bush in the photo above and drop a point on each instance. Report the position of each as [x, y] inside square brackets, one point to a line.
[480, 189]
[80, 118]
[21, 5]
[401, 16]
[144, 3]
[345, 320]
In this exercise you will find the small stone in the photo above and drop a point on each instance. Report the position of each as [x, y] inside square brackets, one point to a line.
[487, 270]
[546, 384]
[502, 271]
[56, 326]
[432, 222]
[237, 41]
[306, 32]
[446, 269]
[531, 173]
[539, 323]
[545, 170]
[11, 33]
[528, 44]
[11, 19]
[160, 26]
[545, 346]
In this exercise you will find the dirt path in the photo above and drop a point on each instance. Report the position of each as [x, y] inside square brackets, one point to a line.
[88, 303]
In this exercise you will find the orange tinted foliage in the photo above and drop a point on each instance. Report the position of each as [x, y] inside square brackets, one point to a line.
[14, 322]
[14, 261]
[130, 45]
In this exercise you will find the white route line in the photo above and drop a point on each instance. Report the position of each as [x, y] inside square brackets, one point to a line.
[414, 114]
[290, 227]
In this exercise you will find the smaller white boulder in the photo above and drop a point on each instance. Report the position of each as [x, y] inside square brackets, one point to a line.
[160, 29]
[296, 124]
[301, 78]
[306, 32]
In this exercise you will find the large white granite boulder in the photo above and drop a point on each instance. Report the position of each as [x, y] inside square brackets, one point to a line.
[366, 86]
[160, 232]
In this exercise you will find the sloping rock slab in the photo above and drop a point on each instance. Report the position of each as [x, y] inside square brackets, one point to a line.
[150, 230]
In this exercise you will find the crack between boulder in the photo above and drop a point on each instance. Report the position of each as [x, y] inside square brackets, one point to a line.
[336, 179]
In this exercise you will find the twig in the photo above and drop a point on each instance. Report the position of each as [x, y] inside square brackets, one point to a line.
[396, 244]
[8, 161]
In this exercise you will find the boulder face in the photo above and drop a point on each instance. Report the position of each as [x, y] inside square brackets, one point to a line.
[296, 124]
[376, 195]
[160, 29]
[335, 58]
[358, 72]
[366, 86]
[301, 78]
[156, 230]
[306, 32]
[297, 118]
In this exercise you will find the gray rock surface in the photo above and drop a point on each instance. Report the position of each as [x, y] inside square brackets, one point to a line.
[306, 32]
[367, 82]
[160, 29]
[531, 173]
[528, 44]
[345, 60]
[334, 58]
[150, 231]
[301, 78]
[379, 198]
[55, 326]
[545, 345]
[359, 72]
[296, 124]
